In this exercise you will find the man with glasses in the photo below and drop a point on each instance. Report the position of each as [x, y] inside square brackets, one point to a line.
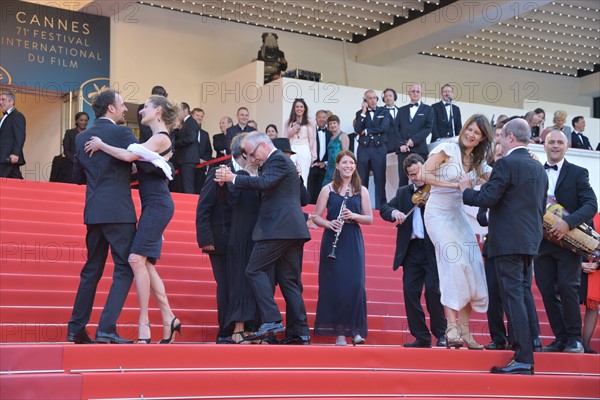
[279, 236]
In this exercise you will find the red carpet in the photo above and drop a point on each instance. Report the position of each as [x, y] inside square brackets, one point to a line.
[41, 253]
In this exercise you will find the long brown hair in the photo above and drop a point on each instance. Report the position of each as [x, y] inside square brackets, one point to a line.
[292, 118]
[483, 151]
[355, 182]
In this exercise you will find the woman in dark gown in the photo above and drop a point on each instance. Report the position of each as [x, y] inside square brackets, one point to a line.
[242, 309]
[157, 210]
[342, 303]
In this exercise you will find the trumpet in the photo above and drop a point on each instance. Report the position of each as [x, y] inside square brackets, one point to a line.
[339, 218]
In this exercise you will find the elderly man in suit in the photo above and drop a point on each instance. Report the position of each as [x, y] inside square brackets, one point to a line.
[110, 219]
[279, 236]
[416, 123]
[416, 254]
[12, 137]
[516, 197]
[558, 270]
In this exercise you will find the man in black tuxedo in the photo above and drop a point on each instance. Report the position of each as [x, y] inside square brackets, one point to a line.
[243, 117]
[416, 254]
[578, 139]
[372, 123]
[447, 121]
[279, 236]
[213, 224]
[416, 122]
[558, 270]
[145, 131]
[516, 197]
[12, 138]
[110, 219]
[220, 142]
[316, 174]
[353, 143]
[186, 150]
[204, 150]
[389, 99]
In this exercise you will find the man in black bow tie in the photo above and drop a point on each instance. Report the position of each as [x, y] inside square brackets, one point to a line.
[415, 124]
[447, 120]
[416, 254]
[558, 270]
[517, 183]
[372, 123]
[316, 174]
[578, 139]
[12, 137]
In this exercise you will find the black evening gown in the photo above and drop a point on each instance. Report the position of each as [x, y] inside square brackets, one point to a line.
[342, 304]
[157, 211]
[242, 306]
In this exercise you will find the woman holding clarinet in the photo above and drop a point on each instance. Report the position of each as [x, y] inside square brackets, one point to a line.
[342, 304]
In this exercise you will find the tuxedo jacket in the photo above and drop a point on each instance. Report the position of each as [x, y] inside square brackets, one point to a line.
[145, 131]
[418, 129]
[12, 137]
[108, 191]
[221, 144]
[441, 124]
[319, 144]
[205, 150]
[393, 130]
[186, 143]
[234, 131]
[376, 127]
[213, 214]
[577, 143]
[280, 215]
[69, 147]
[516, 197]
[351, 147]
[403, 202]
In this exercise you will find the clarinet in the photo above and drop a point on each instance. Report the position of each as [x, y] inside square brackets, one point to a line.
[339, 218]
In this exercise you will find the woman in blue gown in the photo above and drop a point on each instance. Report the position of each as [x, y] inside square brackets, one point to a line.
[342, 303]
[339, 141]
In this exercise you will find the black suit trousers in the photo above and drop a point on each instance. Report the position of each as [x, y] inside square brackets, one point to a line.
[315, 181]
[514, 277]
[284, 257]
[187, 173]
[199, 178]
[421, 269]
[558, 276]
[10, 171]
[98, 239]
[219, 268]
[373, 158]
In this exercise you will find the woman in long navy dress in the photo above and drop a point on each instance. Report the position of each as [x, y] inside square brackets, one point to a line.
[157, 210]
[342, 303]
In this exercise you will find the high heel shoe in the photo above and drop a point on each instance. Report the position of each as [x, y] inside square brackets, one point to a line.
[453, 338]
[143, 341]
[470, 342]
[238, 338]
[174, 328]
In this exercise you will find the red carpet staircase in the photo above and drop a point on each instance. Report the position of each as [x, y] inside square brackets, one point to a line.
[42, 242]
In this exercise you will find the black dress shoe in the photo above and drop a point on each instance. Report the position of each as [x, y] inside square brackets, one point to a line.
[537, 344]
[270, 339]
[590, 351]
[441, 342]
[264, 330]
[573, 346]
[80, 338]
[298, 340]
[105, 337]
[225, 340]
[515, 368]
[495, 346]
[419, 343]
[556, 346]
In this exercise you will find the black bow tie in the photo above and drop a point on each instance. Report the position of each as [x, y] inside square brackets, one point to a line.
[414, 105]
[548, 166]
[322, 129]
[372, 110]
[447, 104]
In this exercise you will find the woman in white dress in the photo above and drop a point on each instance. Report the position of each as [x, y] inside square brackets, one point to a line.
[302, 133]
[460, 265]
